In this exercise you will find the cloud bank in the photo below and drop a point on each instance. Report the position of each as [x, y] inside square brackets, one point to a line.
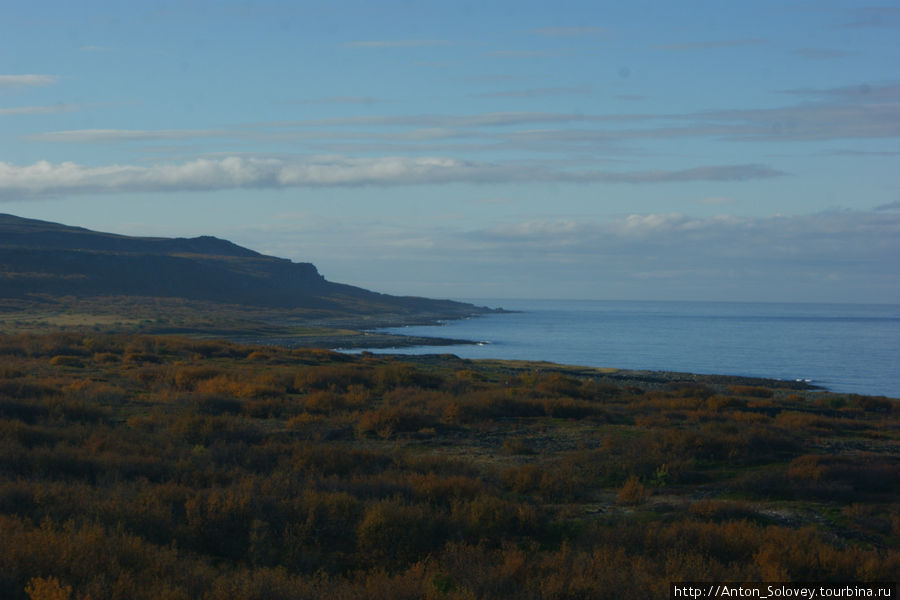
[569, 31]
[105, 136]
[840, 113]
[44, 178]
[711, 45]
[396, 43]
[50, 109]
[830, 256]
[12, 81]
[825, 257]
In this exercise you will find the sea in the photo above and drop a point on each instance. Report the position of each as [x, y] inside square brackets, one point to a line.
[844, 348]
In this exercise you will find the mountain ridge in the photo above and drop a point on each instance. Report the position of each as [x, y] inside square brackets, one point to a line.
[19, 231]
[45, 258]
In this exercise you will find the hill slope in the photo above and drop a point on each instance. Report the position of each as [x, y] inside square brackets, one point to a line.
[39, 258]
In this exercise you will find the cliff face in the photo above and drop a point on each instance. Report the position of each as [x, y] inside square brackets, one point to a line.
[38, 257]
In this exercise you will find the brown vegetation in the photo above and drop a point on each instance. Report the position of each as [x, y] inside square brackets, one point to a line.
[149, 467]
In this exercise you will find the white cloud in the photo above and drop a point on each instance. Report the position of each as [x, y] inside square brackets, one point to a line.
[850, 112]
[875, 16]
[863, 93]
[12, 81]
[714, 44]
[838, 238]
[569, 31]
[716, 200]
[342, 100]
[833, 256]
[50, 109]
[524, 53]
[536, 92]
[396, 43]
[45, 178]
[821, 53]
[103, 136]
[546, 229]
[492, 119]
[710, 173]
[830, 256]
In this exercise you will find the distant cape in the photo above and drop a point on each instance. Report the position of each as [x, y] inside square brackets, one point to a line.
[40, 258]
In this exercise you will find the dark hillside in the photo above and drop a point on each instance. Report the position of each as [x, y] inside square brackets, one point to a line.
[31, 233]
[42, 258]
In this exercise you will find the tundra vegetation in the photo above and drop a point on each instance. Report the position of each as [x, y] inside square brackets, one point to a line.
[137, 467]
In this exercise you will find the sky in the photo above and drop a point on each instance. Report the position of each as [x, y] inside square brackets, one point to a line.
[647, 150]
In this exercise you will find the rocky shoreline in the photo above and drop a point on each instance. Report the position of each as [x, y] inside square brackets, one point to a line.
[359, 336]
[643, 379]
[355, 340]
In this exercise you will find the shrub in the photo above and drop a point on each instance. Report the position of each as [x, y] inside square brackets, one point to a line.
[390, 376]
[67, 361]
[721, 510]
[332, 377]
[211, 404]
[388, 421]
[394, 533]
[40, 588]
[632, 493]
[556, 384]
[524, 479]
[569, 408]
[497, 404]
[752, 391]
[105, 357]
[186, 378]
[7, 372]
[27, 390]
[806, 468]
[518, 446]
[492, 519]
[444, 491]
[141, 357]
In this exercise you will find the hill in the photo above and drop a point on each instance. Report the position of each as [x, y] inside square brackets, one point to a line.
[41, 260]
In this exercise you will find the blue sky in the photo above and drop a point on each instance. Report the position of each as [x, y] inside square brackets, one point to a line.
[620, 150]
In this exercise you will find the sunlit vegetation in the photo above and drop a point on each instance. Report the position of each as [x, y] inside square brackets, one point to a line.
[139, 467]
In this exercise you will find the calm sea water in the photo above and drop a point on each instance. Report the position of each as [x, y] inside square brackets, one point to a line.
[842, 347]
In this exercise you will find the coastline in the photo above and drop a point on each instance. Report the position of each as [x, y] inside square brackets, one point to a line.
[645, 379]
[356, 334]
[846, 349]
[351, 341]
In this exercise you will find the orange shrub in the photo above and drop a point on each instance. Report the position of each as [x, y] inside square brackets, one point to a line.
[395, 533]
[752, 391]
[67, 361]
[444, 491]
[806, 468]
[523, 479]
[40, 588]
[186, 378]
[324, 402]
[491, 518]
[632, 493]
[388, 421]
[332, 377]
